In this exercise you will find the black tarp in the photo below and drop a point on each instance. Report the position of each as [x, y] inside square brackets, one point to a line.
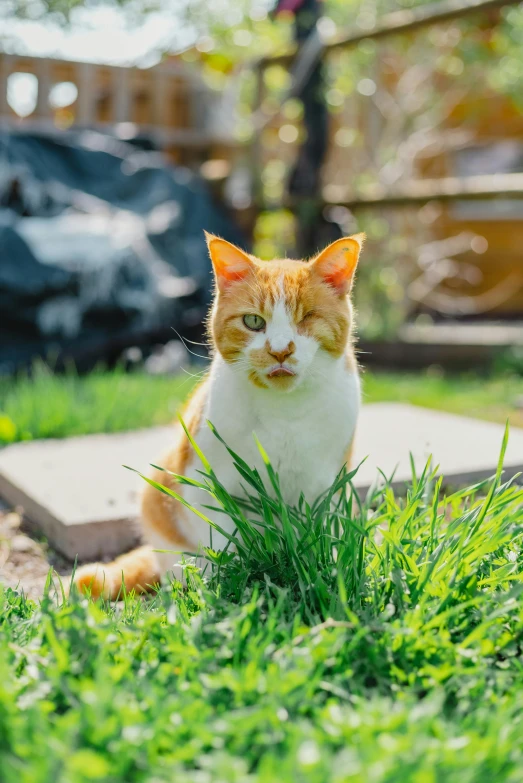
[101, 246]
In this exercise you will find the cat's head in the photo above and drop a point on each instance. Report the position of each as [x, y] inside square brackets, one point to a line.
[278, 321]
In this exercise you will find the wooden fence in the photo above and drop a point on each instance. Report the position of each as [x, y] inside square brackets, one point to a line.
[300, 64]
[169, 102]
[498, 267]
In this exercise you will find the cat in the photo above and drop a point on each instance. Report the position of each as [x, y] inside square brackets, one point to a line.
[283, 367]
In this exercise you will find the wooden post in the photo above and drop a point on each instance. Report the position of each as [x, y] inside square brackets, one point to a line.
[43, 73]
[159, 97]
[87, 86]
[121, 94]
[255, 147]
[5, 70]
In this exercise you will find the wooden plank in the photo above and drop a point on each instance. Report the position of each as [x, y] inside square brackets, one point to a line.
[188, 138]
[479, 333]
[414, 355]
[479, 187]
[403, 21]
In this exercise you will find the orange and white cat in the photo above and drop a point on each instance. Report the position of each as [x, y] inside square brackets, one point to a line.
[283, 367]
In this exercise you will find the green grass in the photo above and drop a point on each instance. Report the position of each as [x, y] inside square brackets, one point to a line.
[374, 641]
[46, 405]
[57, 406]
[498, 397]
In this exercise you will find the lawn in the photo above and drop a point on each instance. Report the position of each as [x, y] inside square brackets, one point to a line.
[46, 405]
[383, 646]
[56, 406]
[496, 397]
[359, 642]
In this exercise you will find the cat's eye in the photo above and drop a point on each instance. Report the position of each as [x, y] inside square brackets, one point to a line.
[254, 322]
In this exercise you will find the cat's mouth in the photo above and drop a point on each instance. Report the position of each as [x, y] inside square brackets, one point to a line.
[281, 372]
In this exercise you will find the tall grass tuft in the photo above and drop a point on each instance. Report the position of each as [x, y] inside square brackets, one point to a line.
[427, 560]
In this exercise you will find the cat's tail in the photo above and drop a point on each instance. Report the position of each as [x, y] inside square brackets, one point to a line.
[136, 570]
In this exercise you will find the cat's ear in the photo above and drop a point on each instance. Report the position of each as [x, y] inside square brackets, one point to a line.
[230, 264]
[337, 263]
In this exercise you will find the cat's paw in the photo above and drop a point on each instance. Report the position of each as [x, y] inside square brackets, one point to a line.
[96, 580]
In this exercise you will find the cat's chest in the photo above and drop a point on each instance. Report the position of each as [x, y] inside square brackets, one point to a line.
[306, 455]
[306, 439]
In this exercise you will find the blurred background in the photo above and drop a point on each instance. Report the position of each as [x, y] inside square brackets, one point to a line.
[129, 126]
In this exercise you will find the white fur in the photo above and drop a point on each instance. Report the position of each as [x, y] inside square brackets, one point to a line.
[279, 331]
[306, 433]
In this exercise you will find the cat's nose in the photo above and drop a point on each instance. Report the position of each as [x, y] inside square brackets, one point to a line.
[280, 356]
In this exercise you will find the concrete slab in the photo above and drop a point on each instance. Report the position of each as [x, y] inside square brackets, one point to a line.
[466, 450]
[82, 499]
[76, 490]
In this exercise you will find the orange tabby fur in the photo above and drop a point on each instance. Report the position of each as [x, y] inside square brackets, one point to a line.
[244, 285]
[138, 570]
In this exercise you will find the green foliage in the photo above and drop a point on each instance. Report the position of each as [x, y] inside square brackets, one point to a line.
[273, 234]
[381, 643]
[46, 405]
[511, 361]
[497, 397]
[507, 74]
[60, 10]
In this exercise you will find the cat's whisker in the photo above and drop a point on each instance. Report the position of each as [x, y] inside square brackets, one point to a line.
[193, 353]
[194, 374]
[192, 342]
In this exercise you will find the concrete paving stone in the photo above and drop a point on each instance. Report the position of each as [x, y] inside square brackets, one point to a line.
[78, 493]
[465, 450]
